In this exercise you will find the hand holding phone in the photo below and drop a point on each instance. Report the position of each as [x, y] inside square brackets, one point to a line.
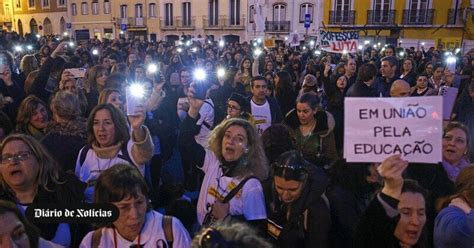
[77, 72]
[135, 97]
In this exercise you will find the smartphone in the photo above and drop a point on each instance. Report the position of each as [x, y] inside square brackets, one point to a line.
[134, 99]
[77, 72]
[200, 90]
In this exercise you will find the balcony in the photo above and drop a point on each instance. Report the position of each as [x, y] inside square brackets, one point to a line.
[418, 17]
[233, 23]
[185, 24]
[168, 24]
[455, 16]
[342, 17]
[136, 22]
[213, 24]
[381, 17]
[277, 26]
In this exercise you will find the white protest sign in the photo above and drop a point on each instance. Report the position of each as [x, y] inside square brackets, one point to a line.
[339, 42]
[375, 128]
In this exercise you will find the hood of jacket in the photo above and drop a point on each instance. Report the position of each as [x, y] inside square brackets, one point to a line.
[325, 122]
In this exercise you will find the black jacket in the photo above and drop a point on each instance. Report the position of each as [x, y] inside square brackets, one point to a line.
[360, 89]
[309, 222]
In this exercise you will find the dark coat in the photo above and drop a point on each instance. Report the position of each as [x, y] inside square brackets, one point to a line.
[68, 193]
[277, 116]
[64, 141]
[360, 89]
[312, 203]
[16, 92]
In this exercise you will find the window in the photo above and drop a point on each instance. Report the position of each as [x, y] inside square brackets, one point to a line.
[62, 3]
[95, 7]
[18, 4]
[31, 4]
[213, 12]
[306, 8]
[381, 11]
[342, 12]
[234, 12]
[123, 11]
[169, 14]
[279, 12]
[418, 11]
[73, 9]
[138, 11]
[84, 8]
[251, 13]
[106, 7]
[152, 10]
[186, 14]
[45, 3]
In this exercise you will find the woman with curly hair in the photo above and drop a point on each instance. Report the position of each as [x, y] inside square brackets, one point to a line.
[33, 117]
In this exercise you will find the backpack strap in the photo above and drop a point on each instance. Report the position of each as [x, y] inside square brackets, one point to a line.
[235, 190]
[125, 155]
[204, 123]
[96, 237]
[167, 223]
[83, 154]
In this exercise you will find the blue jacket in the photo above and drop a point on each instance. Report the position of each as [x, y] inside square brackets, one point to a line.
[454, 228]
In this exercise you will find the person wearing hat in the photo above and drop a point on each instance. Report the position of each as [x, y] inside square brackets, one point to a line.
[239, 107]
[309, 84]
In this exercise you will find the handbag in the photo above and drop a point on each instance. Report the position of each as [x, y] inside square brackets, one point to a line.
[210, 219]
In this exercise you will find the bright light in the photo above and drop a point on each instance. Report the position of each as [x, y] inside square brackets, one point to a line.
[38, 36]
[121, 32]
[304, 48]
[344, 51]
[194, 49]
[311, 43]
[451, 60]
[210, 42]
[179, 49]
[255, 44]
[257, 52]
[152, 68]
[259, 40]
[220, 72]
[71, 44]
[95, 52]
[422, 43]
[18, 48]
[188, 43]
[383, 49]
[137, 90]
[180, 43]
[401, 41]
[221, 43]
[375, 46]
[29, 47]
[366, 42]
[317, 52]
[457, 50]
[65, 34]
[286, 37]
[360, 47]
[378, 44]
[447, 53]
[402, 54]
[200, 74]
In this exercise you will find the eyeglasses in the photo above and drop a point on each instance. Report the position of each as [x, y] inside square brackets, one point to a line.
[212, 238]
[21, 156]
[231, 107]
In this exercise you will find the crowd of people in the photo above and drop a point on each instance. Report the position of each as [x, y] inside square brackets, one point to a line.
[234, 144]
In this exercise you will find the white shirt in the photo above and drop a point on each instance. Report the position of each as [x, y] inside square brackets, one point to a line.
[262, 115]
[249, 202]
[93, 166]
[151, 236]
[206, 114]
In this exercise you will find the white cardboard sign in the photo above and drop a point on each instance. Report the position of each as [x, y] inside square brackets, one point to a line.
[375, 128]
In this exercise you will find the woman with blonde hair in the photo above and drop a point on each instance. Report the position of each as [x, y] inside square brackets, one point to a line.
[235, 163]
[28, 64]
[33, 117]
[29, 175]
[94, 84]
[112, 96]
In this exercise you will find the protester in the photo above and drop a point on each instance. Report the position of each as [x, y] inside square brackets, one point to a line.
[33, 117]
[265, 110]
[456, 146]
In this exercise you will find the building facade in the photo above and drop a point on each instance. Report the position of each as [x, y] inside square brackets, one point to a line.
[6, 15]
[39, 16]
[403, 22]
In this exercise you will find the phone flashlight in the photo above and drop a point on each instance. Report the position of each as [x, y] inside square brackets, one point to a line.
[402, 54]
[457, 50]
[188, 43]
[451, 61]
[179, 49]
[134, 94]
[29, 47]
[38, 36]
[18, 48]
[259, 40]
[152, 68]
[366, 42]
[71, 44]
[360, 47]
[422, 43]
[221, 43]
[220, 72]
[65, 34]
[95, 52]
[317, 52]
[194, 49]
[344, 51]
[257, 52]
[199, 74]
